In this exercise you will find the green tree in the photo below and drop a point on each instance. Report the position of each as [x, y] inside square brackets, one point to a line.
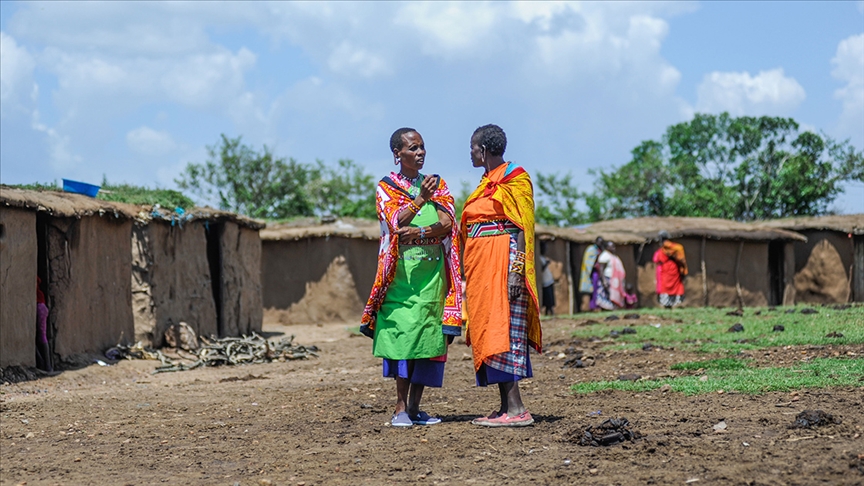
[244, 181]
[558, 200]
[345, 190]
[742, 168]
[262, 185]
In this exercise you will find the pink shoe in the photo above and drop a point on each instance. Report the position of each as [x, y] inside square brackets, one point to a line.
[505, 420]
[481, 420]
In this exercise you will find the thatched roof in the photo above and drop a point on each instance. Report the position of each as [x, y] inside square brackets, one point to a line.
[847, 223]
[64, 204]
[368, 229]
[69, 205]
[713, 228]
[588, 235]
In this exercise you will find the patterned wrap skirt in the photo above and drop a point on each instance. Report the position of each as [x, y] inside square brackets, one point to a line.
[516, 363]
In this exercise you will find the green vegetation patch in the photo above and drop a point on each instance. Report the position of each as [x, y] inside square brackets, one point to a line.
[820, 373]
[707, 329]
[127, 193]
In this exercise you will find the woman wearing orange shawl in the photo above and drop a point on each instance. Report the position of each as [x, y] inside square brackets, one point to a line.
[497, 229]
[415, 307]
[671, 270]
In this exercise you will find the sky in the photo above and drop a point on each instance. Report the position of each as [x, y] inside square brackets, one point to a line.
[135, 91]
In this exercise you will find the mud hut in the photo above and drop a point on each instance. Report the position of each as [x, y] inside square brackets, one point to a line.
[80, 248]
[565, 248]
[115, 273]
[318, 272]
[200, 267]
[829, 266]
[731, 263]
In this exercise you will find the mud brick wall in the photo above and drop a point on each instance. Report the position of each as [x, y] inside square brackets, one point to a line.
[171, 280]
[822, 266]
[18, 253]
[240, 295]
[287, 267]
[720, 261]
[90, 274]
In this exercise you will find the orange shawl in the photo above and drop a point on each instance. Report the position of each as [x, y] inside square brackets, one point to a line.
[505, 193]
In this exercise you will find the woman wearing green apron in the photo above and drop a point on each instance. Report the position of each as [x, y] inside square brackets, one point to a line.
[416, 301]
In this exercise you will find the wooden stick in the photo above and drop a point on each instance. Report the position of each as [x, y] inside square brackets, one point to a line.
[737, 281]
[704, 275]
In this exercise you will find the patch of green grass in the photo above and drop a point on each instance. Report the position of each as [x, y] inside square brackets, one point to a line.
[706, 329]
[712, 364]
[38, 186]
[138, 195]
[820, 373]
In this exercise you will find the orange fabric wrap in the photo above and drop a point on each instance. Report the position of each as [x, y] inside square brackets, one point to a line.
[505, 193]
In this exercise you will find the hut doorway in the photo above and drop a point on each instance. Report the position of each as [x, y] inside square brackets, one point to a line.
[214, 233]
[44, 354]
[776, 277]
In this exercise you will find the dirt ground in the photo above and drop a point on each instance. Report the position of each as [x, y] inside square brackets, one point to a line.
[326, 421]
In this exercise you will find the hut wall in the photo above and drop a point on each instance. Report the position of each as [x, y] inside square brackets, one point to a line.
[18, 270]
[297, 275]
[822, 267]
[240, 310]
[90, 275]
[719, 280]
[557, 251]
[171, 281]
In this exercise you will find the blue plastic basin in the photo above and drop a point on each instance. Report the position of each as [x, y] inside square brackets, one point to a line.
[80, 188]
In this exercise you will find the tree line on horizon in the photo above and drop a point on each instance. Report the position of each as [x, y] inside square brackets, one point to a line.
[740, 168]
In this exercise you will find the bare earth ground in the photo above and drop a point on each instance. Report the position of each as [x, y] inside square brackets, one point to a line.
[326, 421]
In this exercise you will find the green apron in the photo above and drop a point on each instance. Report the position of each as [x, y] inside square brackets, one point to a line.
[409, 321]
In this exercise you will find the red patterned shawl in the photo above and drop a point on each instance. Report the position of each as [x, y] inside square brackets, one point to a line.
[392, 197]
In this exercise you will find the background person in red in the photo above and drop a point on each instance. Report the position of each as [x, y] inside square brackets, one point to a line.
[671, 270]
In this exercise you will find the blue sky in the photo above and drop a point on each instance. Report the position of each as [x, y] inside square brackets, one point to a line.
[137, 90]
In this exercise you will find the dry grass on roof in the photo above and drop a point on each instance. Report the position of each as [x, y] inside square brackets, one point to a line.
[678, 227]
[65, 204]
[847, 223]
[69, 205]
[368, 229]
[580, 235]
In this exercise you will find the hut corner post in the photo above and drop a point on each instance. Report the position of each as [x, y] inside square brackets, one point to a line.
[704, 275]
[737, 280]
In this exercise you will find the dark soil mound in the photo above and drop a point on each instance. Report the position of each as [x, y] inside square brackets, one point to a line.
[813, 418]
[609, 432]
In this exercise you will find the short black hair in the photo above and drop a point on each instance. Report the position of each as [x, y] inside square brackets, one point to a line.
[492, 137]
[396, 141]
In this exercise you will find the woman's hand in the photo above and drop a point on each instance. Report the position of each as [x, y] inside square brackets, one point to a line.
[514, 285]
[408, 233]
[427, 189]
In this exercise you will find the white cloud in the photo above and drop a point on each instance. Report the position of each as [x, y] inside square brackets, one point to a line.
[147, 141]
[849, 68]
[767, 93]
[16, 74]
[348, 59]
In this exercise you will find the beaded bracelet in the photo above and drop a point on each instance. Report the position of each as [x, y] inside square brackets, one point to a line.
[520, 256]
[414, 208]
[422, 232]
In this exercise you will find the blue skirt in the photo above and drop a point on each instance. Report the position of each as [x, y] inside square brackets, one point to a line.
[424, 371]
[487, 375]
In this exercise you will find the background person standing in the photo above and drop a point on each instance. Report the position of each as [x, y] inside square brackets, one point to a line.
[671, 270]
